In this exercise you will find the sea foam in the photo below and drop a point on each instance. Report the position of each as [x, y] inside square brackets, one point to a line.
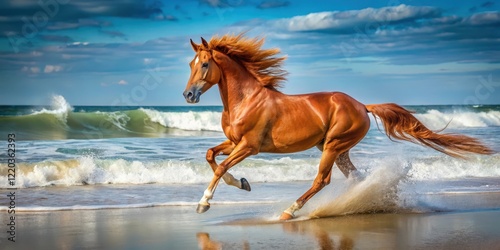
[90, 170]
[435, 119]
[59, 107]
[198, 121]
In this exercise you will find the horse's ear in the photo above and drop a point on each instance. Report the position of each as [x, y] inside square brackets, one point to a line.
[195, 46]
[217, 56]
[204, 42]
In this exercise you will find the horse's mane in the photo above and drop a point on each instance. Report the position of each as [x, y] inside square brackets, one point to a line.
[261, 63]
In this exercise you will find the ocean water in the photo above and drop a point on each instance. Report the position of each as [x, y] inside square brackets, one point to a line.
[101, 157]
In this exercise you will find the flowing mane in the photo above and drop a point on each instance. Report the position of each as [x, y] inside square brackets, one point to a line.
[261, 63]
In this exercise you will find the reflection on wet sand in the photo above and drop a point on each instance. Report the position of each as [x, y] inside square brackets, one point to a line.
[377, 231]
[396, 231]
[324, 240]
[205, 243]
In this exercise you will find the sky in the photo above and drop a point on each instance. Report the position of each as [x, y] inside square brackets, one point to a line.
[136, 53]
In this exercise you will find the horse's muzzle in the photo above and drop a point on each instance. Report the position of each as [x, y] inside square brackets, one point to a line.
[192, 95]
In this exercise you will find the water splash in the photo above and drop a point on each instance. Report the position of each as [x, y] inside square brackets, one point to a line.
[59, 107]
[377, 192]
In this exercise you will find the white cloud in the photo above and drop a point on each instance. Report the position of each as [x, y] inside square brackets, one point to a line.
[52, 68]
[35, 70]
[348, 20]
[484, 18]
[36, 53]
[122, 82]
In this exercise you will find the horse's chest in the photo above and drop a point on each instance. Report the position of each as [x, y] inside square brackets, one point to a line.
[231, 131]
[233, 128]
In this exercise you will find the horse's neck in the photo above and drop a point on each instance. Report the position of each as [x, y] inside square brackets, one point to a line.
[236, 83]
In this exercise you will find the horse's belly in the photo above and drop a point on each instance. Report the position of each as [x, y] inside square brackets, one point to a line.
[290, 141]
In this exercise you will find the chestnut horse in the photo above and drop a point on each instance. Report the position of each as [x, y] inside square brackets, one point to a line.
[259, 118]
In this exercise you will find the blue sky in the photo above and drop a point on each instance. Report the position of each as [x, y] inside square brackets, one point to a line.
[136, 53]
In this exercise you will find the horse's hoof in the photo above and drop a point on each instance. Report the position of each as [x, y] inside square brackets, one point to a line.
[245, 185]
[202, 208]
[286, 216]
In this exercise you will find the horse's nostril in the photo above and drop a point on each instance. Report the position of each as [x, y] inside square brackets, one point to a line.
[192, 96]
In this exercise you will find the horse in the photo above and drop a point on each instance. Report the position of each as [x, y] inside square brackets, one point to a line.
[257, 117]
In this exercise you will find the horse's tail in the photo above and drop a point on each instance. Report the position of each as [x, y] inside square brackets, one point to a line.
[399, 123]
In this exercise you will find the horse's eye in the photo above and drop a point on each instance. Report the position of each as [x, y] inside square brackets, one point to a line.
[204, 65]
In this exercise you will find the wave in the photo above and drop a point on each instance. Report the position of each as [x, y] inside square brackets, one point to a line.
[62, 121]
[59, 106]
[90, 170]
[196, 121]
[436, 119]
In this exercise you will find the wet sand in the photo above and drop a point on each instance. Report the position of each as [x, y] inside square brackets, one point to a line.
[249, 227]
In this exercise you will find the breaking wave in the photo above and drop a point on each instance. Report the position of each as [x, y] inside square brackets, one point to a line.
[436, 119]
[62, 121]
[89, 170]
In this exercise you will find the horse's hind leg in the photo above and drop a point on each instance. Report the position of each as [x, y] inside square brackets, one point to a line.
[329, 156]
[226, 148]
[322, 179]
[344, 164]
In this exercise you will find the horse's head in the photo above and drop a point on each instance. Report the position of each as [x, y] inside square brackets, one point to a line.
[204, 72]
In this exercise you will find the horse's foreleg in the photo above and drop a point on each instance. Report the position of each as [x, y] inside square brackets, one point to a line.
[226, 148]
[240, 152]
[322, 179]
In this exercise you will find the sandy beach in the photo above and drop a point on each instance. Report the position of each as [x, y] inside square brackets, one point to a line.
[244, 227]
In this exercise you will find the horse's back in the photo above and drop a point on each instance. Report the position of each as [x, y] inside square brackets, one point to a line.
[329, 105]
